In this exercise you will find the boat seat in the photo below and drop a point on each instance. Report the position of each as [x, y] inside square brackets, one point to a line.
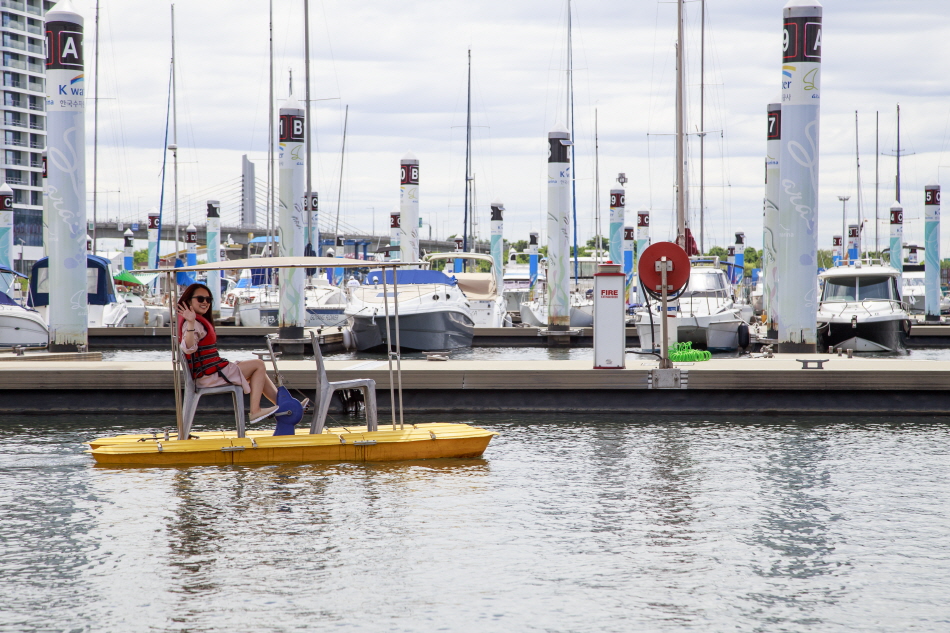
[325, 389]
[192, 395]
[478, 286]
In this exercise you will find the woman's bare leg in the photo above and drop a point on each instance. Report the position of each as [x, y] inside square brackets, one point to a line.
[256, 374]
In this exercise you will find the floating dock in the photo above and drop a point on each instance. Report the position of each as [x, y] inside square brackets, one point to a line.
[237, 337]
[740, 386]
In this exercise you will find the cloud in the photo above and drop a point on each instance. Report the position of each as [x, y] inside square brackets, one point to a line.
[401, 67]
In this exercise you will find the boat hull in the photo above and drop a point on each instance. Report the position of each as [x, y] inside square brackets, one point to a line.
[425, 331]
[423, 441]
[20, 327]
[891, 333]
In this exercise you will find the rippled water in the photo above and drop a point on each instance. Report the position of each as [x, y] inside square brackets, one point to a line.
[586, 523]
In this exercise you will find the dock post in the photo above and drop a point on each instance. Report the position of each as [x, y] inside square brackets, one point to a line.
[498, 243]
[129, 254]
[6, 236]
[292, 313]
[311, 209]
[798, 196]
[532, 264]
[854, 249]
[66, 180]
[409, 207]
[559, 225]
[739, 258]
[618, 202]
[897, 241]
[628, 267]
[773, 149]
[643, 242]
[932, 252]
[213, 250]
[395, 232]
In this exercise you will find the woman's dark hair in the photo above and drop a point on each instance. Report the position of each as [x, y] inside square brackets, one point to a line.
[189, 292]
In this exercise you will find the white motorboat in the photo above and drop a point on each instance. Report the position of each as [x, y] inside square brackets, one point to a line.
[143, 310]
[260, 305]
[705, 313]
[535, 313]
[861, 308]
[105, 308]
[913, 291]
[517, 283]
[487, 303]
[19, 326]
[434, 313]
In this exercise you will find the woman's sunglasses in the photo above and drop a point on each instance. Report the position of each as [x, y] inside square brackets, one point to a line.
[202, 299]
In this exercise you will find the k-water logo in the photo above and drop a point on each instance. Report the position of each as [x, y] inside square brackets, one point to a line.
[72, 89]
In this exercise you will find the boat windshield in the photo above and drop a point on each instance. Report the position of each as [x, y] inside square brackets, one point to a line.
[913, 283]
[857, 288]
[704, 284]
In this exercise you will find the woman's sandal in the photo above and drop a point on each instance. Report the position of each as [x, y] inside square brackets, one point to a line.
[265, 413]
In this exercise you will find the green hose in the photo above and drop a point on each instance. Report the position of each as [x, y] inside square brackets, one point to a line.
[684, 353]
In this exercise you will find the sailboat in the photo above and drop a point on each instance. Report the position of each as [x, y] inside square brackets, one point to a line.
[705, 314]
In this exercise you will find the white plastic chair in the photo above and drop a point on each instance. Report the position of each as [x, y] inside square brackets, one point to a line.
[325, 389]
[192, 394]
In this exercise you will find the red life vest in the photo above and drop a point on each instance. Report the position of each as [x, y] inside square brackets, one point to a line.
[205, 361]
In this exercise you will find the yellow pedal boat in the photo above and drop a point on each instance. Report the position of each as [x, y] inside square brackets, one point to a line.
[338, 444]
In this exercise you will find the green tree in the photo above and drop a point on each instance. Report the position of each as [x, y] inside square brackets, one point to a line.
[140, 258]
[824, 258]
[718, 251]
[753, 258]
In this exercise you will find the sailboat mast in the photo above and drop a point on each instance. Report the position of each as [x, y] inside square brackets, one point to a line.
[570, 104]
[877, 176]
[339, 191]
[897, 182]
[597, 187]
[306, 70]
[468, 152]
[857, 160]
[175, 131]
[270, 130]
[95, 142]
[702, 127]
[680, 136]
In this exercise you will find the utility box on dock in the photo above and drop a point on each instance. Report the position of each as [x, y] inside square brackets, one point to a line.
[610, 335]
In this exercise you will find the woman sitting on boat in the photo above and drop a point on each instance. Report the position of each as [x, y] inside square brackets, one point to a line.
[198, 342]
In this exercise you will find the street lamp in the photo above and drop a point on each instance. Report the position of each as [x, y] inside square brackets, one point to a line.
[844, 227]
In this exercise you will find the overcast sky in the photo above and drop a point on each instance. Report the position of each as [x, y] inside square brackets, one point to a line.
[401, 68]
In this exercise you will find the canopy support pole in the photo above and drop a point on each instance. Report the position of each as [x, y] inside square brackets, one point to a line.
[176, 361]
[398, 348]
[389, 351]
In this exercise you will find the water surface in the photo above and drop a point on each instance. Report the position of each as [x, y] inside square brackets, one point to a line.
[571, 523]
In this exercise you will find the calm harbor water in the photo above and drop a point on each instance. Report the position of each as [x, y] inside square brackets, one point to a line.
[579, 523]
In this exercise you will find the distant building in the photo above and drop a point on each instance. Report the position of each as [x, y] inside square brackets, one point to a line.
[24, 119]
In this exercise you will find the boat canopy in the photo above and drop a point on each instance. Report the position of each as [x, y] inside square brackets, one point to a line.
[99, 285]
[9, 271]
[412, 277]
[5, 300]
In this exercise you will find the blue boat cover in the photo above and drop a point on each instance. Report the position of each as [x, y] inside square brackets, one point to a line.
[5, 300]
[412, 277]
[105, 289]
[9, 271]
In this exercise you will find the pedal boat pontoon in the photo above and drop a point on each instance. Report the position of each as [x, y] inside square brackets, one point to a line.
[370, 443]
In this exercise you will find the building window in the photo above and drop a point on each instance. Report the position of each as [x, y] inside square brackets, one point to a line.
[28, 226]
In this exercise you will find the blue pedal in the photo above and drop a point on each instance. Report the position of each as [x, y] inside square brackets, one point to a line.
[289, 413]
